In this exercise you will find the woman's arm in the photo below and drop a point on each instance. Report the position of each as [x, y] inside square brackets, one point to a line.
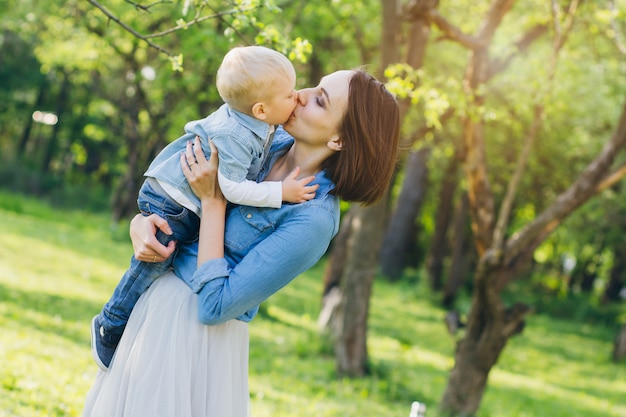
[202, 177]
[226, 292]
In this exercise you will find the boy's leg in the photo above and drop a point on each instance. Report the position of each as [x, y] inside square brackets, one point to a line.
[135, 281]
[108, 326]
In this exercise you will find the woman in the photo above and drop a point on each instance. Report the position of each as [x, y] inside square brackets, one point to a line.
[167, 363]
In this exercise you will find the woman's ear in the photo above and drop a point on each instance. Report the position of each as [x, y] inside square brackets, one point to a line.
[335, 144]
[258, 111]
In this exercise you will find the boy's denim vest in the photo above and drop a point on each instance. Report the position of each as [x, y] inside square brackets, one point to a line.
[241, 141]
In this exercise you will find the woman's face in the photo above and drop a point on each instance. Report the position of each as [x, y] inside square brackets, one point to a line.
[319, 110]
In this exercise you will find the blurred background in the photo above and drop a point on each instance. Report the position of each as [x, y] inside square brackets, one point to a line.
[508, 200]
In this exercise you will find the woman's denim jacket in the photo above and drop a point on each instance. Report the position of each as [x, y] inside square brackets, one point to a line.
[265, 248]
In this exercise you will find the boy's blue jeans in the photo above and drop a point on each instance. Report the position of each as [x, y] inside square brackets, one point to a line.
[185, 225]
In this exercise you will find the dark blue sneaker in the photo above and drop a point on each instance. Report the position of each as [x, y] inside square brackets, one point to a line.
[102, 344]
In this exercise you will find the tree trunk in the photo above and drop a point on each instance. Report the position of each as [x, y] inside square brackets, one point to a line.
[587, 282]
[390, 31]
[461, 253]
[53, 142]
[338, 255]
[488, 329]
[125, 195]
[439, 244]
[24, 140]
[332, 294]
[479, 350]
[617, 276]
[401, 236]
[619, 347]
[363, 247]
[350, 322]
[489, 326]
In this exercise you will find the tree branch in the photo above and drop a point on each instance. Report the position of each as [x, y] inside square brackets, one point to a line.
[221, 17]
[539, 110]
[493, 18]
[147, 38]
[419, 9]
[453, 33]
[497, 66]
[147, 7]
[127, 28]
[611, 179]
[197, 20]
[511, 190]
[618, 38]
[569, 22]
[591, 180]
[419, 133]
[427, 10]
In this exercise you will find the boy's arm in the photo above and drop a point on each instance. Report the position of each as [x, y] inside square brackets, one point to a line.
[250, 193]
[269, 193]
[297, 190]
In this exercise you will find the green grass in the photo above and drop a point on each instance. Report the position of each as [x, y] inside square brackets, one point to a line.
[58, 268]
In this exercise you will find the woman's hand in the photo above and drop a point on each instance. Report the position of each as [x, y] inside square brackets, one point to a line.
[145, 244]
[202, 174]
[202, 177]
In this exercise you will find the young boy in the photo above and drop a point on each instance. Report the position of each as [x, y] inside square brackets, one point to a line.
[258, 86]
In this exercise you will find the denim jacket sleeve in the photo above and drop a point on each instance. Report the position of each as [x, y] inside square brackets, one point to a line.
[294, 246]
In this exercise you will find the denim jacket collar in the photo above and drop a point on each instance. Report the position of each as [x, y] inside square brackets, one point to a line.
[258, 127]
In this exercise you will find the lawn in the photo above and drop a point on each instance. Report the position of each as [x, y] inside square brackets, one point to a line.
[57, 268]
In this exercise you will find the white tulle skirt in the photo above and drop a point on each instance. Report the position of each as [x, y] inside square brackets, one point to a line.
[169, 365]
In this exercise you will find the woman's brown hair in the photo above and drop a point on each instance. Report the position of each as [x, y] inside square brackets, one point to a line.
[369, 135]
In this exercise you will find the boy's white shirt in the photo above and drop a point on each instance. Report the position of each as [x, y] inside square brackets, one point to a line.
[250, 193]
[178, 196]
[246, 193]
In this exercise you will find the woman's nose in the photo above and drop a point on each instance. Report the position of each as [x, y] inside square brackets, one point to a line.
[302, 96]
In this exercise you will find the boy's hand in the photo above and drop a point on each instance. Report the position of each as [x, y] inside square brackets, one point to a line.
[297, 190]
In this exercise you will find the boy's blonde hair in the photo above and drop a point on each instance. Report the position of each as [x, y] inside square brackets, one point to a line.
[249, 74]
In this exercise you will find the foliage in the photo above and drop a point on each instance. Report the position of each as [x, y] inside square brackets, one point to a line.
[121, 96]
[556, 367]
[117, 100]
[573, 129]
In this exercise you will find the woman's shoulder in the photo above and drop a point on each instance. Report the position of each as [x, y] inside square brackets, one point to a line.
[321, 213]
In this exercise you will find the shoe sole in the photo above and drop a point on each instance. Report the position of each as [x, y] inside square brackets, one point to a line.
[94, 351]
